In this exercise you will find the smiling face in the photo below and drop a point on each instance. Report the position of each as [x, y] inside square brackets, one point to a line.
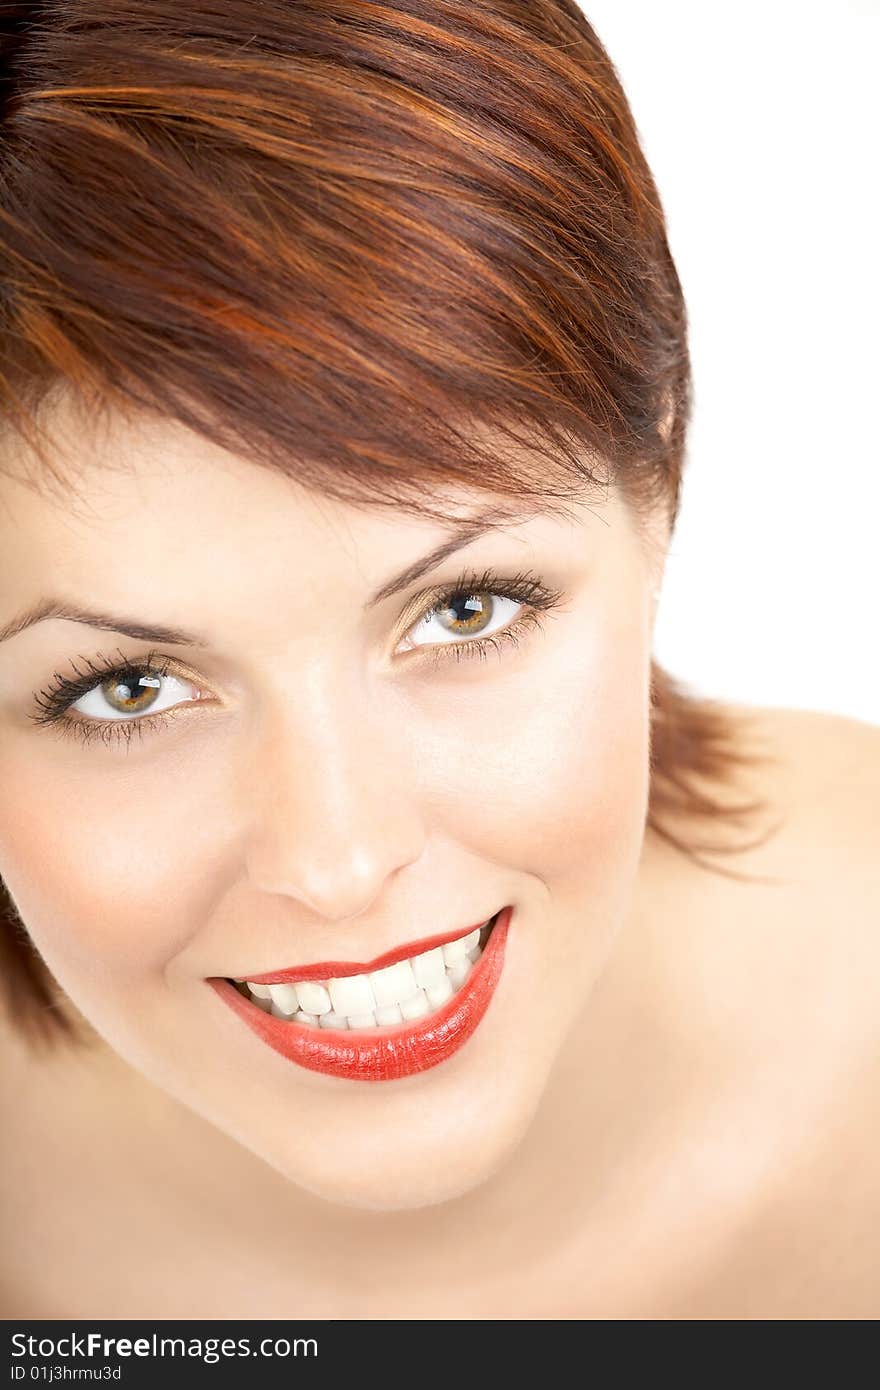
[321, 777]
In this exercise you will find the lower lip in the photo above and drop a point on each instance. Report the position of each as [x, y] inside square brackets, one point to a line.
[389, 1053]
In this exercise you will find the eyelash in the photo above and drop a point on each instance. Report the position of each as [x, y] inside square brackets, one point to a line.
[525, 588]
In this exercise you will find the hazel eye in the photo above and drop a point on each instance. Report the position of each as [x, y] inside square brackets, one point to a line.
[131, 693]
[462, 616]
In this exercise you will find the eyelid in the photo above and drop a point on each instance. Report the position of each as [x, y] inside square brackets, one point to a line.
[65, 690]
[420, 604]
[535, 597]
[471, 580]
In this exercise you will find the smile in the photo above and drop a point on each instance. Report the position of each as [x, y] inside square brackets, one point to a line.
[397, 1015]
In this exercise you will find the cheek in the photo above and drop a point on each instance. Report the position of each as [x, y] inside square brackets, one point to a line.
[99, 869]
[552, 779]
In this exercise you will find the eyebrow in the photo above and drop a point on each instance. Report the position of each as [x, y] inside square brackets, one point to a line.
[463, 534]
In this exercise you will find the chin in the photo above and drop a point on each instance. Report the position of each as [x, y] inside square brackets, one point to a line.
[436, 1156]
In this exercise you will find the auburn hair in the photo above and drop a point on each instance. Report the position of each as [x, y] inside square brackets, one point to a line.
[335, 236]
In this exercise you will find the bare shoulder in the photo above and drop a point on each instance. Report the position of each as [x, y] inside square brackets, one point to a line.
[806, 912]
[822, 783]
[820, 776]
[834, 751]
[802, 983]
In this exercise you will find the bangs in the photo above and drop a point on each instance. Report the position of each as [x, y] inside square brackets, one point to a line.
[385, 249]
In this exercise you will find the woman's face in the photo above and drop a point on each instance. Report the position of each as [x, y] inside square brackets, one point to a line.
[323, 779]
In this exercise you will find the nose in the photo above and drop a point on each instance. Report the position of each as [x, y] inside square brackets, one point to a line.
[334, 806]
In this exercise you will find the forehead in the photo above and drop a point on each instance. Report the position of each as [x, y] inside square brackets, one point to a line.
[170, 531]
[154, 484]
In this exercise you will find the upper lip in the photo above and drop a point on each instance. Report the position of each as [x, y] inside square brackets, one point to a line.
[335, 969]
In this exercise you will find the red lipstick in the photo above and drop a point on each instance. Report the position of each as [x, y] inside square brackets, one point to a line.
[377, 1054]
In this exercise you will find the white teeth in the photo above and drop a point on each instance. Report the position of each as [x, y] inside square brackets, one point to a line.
[407, 990]
[429, 968]
[415, 1007]
[388, 1015]
[352, 994]
[459, 972]
[454, 951]
[393, 984]
[285, 997]
[438, 994]
[313, 998]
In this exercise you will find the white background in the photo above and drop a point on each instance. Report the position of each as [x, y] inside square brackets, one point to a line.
[760, 125]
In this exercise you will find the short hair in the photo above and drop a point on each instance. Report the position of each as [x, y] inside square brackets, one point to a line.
[333, 236]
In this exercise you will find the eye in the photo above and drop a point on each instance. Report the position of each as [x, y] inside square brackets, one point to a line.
[132, 692]
[114, 698]
[479, 612]
[464, 615]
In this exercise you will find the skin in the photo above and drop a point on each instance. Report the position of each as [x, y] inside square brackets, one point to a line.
[660, 1068]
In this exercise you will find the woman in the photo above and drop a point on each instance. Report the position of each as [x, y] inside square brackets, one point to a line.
[386, 934]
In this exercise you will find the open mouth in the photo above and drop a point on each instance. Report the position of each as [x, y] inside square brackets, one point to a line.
[413, 987]
[396, 1015]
